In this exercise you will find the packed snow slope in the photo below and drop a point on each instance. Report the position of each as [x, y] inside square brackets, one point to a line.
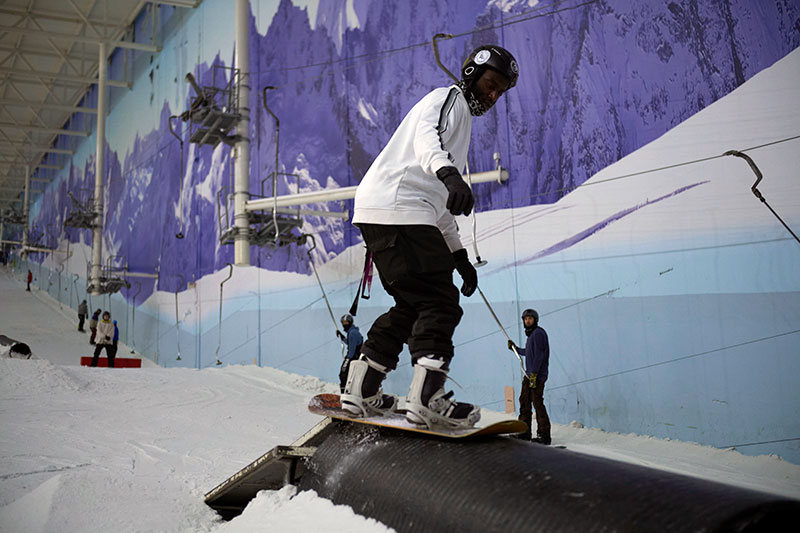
[92, 449]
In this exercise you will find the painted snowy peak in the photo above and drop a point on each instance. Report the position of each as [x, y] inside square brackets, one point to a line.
[597, 82]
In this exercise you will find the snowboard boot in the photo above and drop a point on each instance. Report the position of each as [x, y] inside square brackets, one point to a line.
[363, 396]
[541, 439]
[427, 404]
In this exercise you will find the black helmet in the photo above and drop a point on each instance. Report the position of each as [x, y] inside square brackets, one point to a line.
[347, 317]
[532, 313]
[493, 57]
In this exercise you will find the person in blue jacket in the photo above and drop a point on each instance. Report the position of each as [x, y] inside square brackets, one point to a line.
[537, 362]
[352, 340]
[115, 340]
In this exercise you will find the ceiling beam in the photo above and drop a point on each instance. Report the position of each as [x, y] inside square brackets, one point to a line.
[50, 15]
[80, 38]
[6, 146]
[18, 178]
[39, 129]
[39, 75]
[48, 52]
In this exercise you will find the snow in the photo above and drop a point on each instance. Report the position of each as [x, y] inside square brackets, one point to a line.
[93, 449]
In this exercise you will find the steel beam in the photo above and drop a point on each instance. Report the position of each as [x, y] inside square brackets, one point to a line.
[40, 129]
[38, 75]
[80, 38]
[5, 146]
[47, 105]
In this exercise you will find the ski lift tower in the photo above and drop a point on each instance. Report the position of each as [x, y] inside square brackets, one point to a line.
[215, 112]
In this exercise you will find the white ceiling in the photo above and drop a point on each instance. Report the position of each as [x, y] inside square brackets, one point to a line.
[49, 53]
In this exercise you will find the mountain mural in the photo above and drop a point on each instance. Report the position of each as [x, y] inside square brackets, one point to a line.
[598, 80]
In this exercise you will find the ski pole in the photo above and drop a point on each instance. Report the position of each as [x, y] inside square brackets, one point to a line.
[521, 363]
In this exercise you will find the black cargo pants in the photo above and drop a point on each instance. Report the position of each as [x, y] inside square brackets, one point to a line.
[416, 268]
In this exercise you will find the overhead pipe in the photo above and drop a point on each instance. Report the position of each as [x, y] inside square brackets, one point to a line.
[498, 175]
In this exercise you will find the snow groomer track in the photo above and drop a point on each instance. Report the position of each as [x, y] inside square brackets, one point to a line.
[418, 483]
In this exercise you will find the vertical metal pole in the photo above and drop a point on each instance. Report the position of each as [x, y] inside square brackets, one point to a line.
[25, 211]
[97, 231]
[241, 193]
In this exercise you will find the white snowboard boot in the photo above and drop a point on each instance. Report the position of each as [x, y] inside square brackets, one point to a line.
[427, 403]
[363, 396]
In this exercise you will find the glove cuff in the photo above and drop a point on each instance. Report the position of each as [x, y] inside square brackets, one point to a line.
[461, 255]
[447, 172]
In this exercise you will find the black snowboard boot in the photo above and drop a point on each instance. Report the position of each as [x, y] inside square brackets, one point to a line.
[363, 396]
[541, 439]
[427, 404]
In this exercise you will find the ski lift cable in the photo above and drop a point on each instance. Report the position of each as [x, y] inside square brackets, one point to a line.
[319, 281]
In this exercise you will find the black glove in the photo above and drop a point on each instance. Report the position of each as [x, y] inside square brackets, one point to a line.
[511, 345]
[467, 272]
[341, 335]
[532, 380]
[459, 199]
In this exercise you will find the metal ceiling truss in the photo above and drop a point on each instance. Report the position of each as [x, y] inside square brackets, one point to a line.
[49, 61]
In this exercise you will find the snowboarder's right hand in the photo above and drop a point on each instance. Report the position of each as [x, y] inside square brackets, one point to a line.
[341, 335]
[467, 272]
[459, 198]
[512, 346]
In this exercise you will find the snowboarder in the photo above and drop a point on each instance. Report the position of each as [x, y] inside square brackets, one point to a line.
[537, 362]
[93, 326]
[405, 208]
[30, 278]
[83, 311]
[105, 339]
[353, 341]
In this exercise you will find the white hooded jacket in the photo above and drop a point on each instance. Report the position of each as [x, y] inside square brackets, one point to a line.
[401, 187]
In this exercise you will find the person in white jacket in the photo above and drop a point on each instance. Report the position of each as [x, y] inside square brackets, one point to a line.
[405, 208]
[105, 339]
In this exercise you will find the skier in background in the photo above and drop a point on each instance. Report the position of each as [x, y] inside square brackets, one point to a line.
[405, 208]
[83, 311]
[30, 278]
[114, 342]
[105, 339]
[93, 326]
[353, 340]
[537, 362]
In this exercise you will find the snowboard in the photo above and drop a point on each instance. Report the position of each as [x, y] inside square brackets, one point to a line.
[329, 405]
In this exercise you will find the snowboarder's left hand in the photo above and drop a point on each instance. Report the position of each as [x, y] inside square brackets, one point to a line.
[466, 271]
[459, 196]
